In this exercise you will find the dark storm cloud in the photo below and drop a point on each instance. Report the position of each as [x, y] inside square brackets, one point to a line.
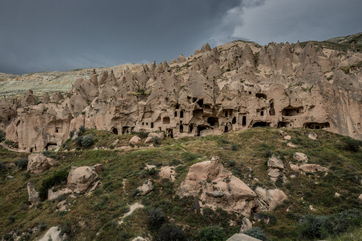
[44, 35]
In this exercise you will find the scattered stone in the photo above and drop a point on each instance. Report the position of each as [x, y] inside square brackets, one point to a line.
[9, 177]
[135, 140]
[138, 238]
[81, 178]
[287, 137]
[312, 209]
[38, 163]
[146, 187]
[167, 172]
[98, 168]
[62, 205]
[224, 190]
[283, 133]
[275, 162]
[300, 157]
[291, 145]
[53, 234]
[242, 237]
[55, 194]
[312, 136]
[272, 197]
[150, 167]
[337, 194]
[115, 142]
[33, 194]
[245, 225]
[312, 168]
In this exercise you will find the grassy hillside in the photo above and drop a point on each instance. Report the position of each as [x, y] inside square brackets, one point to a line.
[95, 216]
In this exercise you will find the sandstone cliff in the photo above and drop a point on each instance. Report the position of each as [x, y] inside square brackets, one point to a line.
[232, 87]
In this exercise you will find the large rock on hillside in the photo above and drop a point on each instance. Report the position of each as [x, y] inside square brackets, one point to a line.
[242, 237]
[38, 163]
[218, 187]
[33, 194]
[80, 179]
[271, 197]
[53, 234]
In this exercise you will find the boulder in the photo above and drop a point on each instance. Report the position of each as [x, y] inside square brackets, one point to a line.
[275, 162]
[148, 140]
[245, 225]
[312, 168]
[217, 187]
[80, 179]
[33, 194]
[272, 197]
[62, 205]
[160, 135]
[242, 237]
[98, 167]
[360, 198]
[312, 136]
[53, 234]
[138, 238]
[300, 157]
[146, 187]
[135, 140]
[55, 194]
[38, 163]
[167, 172]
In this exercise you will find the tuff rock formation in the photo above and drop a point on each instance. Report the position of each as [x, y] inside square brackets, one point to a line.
[231, 87]
[216, 187]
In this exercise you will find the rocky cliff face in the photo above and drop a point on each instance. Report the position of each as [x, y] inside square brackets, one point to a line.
[235, 86]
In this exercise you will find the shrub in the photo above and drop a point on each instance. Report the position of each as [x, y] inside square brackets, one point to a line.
[2, 166]
[346, 69]
[213, 233]
[111, 147]
[22, 164]
[230, 163]
[156, 217]
[71, 134]
[234, 147]
[2, 135]
[81, 131]
[187, 156]
[351, 144]
[174, 162]
[57, 178]
[169, 232]
[156, 140]
[257, 233]
[224, 141]
[46, 153]
[87, 140]
[180, 169]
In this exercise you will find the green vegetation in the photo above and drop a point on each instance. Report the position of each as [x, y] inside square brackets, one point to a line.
[166, 216]
[2, 135]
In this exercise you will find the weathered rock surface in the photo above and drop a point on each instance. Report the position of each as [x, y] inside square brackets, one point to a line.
[38, 163]
[80, 179]
[135, 140]
[52, 195]
[218, 188]
[272, 197]
[242, 237]
[214, 92]
[33, 194]
[245, 225]
[146, 188]
[53, 234]
[308, 168]
[300, 157]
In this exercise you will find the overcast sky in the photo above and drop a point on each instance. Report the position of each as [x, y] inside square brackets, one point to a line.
[46, 35]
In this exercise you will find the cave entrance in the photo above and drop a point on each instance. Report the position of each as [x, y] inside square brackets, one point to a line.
[213, 121]
[200, 129]
[125, 130]
[316, 125]
[261, 124]
[226, 129]
[169, 132]
[244, 121]
[282, 124]
[50, 146]
[191, 128]
[260, 95]
[292, 111]
[115, 130]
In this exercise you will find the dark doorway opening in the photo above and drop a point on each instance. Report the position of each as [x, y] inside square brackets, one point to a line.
[199, 129]
[244, 121]
[226, 129]
[181, 128]
[212, 121]
[115, 130]
[261, 124]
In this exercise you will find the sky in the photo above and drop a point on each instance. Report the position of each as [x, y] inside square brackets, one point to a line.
[61, 35]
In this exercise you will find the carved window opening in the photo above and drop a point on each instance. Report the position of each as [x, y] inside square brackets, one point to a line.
[151, 124]
[177, 106]
[200, 102]
[181, 114]
[191, 128]
[260, 95]
[175, 113]
[261, 113]
[234, 120]
[181, 128]
[272, 110]
[226, 113]
[166, 120]
[244, 121]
